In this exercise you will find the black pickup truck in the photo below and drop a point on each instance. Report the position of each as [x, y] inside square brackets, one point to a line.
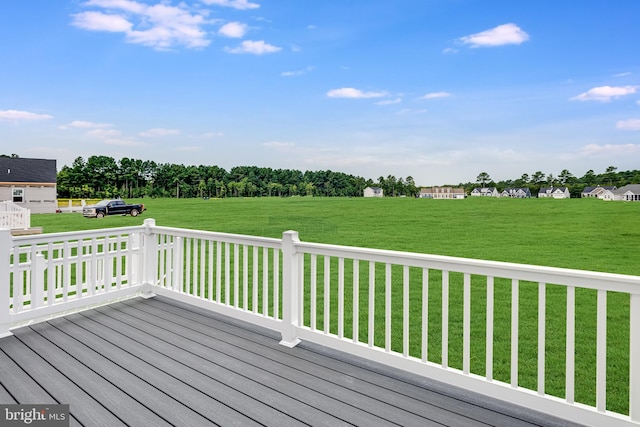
[112, 207]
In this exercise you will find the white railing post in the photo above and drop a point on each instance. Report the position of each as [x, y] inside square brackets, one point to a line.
[27, 219]
[150, 258]
[135, 258]
[5, 282]
[634, 359]
[39, 265]
[290, 289]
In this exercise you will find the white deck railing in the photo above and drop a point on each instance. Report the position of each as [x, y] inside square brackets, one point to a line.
[556, 340]
[13, 216]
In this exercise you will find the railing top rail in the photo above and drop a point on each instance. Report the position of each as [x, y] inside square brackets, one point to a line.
[223, 237]
[534, 273]
[76, 235]
[9, 206]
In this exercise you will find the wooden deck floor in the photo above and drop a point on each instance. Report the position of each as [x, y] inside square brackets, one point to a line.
[161, 362]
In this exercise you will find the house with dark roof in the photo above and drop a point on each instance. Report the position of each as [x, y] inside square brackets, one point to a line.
[485, 192]
[604, 193]
[554, 192]
[29, 183]
[516, 193]
[373, 192]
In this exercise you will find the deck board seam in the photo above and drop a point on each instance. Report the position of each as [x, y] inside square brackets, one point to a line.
[235, 324]
[62, 374]
[100, 375]
[349, 390]
[168, 373]
[282, 351]
[247, 377]
[115, 362]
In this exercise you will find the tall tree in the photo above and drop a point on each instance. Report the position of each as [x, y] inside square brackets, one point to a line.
[565, 177]
[611, 174]
[483, 178]
[589, 177]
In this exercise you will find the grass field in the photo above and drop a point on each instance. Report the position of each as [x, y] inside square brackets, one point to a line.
[582, 234]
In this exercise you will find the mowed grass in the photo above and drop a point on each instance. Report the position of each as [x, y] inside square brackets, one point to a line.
[581, 234]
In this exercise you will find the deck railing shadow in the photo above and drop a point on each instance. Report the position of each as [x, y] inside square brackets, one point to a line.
[564, 342]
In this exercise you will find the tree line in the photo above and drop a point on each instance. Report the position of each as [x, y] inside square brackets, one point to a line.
[104, 177]
[538, 180]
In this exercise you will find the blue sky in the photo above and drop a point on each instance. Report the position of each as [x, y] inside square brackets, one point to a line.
[440, 90]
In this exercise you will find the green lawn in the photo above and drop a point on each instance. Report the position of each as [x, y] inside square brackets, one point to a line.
[582, 234]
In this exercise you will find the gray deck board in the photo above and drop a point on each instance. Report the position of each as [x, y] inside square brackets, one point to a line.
[246, 371]
[275, 361]
[23, 388]
[38, 362]
[162, 362]
[216, 397]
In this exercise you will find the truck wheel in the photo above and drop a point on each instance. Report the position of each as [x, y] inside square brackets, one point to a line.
[100, 215]
[134, 212]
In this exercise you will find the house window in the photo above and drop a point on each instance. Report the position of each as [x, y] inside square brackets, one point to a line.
[18, 195]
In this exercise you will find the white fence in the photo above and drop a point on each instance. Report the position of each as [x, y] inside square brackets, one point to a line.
[13, 216]
[556, 340]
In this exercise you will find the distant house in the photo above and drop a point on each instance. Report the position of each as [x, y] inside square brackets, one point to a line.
[554, 192]
[486, 192]
[373, 192]
[29, 183]
[604, 193]
[516, 193]
[441, 193]
[628, 193]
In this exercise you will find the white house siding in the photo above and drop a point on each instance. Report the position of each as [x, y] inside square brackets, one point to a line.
[37, 198]
[556, 193]
[442, 193]
[606, 195]
[373, 192]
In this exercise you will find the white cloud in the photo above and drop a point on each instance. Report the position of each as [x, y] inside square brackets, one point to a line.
[209, 135]
[631, 124]
[236, 4]
[98, 21]
[610, 149]
[279, 145]
[434, 95]
[126, 5]
[349, 92]
[297, 73]
[389, 101]
[155, 132]
[81, 124]
[254, 47]
[160, 26]
[111, 136]
[125, 141]
[622, 74]
[605, 93]
[498, 36]
[104, 133]
[189, 148]
[411, 111]
[233, 29]
[15, 115]
[449, 50]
